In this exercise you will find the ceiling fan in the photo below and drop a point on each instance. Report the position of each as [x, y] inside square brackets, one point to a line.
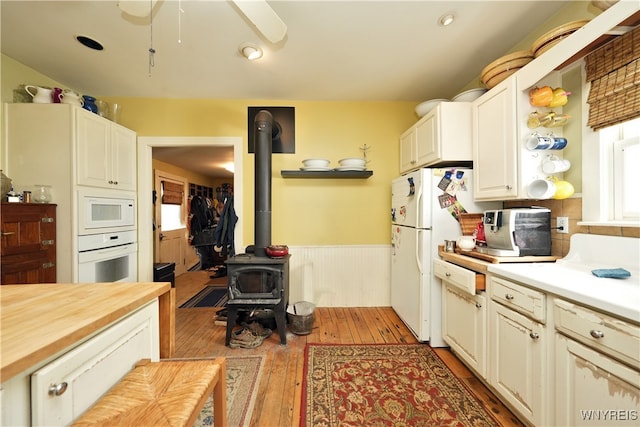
[258, 12]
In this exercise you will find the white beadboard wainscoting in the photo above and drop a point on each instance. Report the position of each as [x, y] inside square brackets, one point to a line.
[341, 276]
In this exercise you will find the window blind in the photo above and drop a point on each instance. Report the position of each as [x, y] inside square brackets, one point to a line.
[614, 73]
[172, 193]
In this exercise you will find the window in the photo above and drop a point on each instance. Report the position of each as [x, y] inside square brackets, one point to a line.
[171, 208]
[620, 154]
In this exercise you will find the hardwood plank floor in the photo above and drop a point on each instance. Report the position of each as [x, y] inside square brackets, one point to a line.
[281, 385]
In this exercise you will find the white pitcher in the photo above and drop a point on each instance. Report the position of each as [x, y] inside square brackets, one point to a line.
[40, 95]
[70, 97]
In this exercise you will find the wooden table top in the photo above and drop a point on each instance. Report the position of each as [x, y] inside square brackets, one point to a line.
[38, 321]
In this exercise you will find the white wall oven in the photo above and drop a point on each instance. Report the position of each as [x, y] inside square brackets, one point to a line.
[108, 257]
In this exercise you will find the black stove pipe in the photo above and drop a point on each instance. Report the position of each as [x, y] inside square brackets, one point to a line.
[263, 140]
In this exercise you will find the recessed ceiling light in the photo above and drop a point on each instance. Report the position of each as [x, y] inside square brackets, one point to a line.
[90, 43]
[446, 19]
[250, 51]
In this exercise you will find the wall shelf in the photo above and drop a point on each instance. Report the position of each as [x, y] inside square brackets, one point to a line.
[325, 174]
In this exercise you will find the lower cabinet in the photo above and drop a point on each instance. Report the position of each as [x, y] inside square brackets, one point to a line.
[518, 350]
[594, 389]
[597, 367]
[57, 391]
[464, 326]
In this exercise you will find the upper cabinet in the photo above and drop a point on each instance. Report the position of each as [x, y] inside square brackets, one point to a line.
[68, 148]
[505, 165]
[442, 136]
[494, 133]
[106, 153]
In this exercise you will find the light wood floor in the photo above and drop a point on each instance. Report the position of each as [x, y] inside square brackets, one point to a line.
[278, 404]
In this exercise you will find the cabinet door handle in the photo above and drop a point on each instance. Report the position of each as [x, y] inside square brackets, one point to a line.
[8, 233]
[508, 187]
[447, 274]
[508, 296]
[478, 305]
[115, 182]
[58, 389]
[534, 335]
[597, 334]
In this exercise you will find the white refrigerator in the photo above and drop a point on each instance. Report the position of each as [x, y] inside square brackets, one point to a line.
[424, 209]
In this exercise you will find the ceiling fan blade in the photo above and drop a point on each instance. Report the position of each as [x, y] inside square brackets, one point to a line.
[264, 18]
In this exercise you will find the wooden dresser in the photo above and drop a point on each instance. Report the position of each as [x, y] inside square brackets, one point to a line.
[28, 247]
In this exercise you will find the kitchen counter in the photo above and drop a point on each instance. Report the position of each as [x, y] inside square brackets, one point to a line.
[619, 297]
[40, 320]
[571, 277]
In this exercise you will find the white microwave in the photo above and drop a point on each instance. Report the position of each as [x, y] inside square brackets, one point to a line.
[99, 213]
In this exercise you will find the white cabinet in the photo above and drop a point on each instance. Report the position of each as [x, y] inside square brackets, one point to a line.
[464, 326]
[106, 153]
[518, 368]
[67, 147]
[55, 392]
[597, 367]
[442, 135]
[464, 314]
[494, 143]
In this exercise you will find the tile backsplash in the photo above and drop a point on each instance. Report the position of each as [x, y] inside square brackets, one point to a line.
[571, 208]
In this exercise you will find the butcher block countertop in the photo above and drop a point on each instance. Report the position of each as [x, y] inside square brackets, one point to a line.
[40, 320]
[479, 262]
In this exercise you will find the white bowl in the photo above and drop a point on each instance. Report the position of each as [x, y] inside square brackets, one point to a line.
[423, 108]
[469, 95]
[316, 163]
[353, 161]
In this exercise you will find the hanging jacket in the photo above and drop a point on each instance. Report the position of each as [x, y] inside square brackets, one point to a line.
[224, 234]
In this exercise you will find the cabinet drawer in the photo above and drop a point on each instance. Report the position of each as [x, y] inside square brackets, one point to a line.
[519, 298]
[607, 334]
[463, 279]
[87, 371]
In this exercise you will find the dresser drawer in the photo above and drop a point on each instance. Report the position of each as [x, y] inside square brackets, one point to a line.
[605, 333]
[519, 298]
[462, 278]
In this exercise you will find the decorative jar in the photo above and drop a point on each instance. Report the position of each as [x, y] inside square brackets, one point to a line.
[42, 194]
[90, 104]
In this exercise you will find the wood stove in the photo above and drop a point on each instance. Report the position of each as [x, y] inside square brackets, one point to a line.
[255, 280]
[258, 283]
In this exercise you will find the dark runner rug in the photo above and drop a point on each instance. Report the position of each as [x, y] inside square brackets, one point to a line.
[384, 385]
[210, 296]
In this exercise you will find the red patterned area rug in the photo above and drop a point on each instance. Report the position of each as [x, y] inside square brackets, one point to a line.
[384, 385]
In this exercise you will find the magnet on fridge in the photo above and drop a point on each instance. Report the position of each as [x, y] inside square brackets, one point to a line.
[412, 187]
[445, 181]
[459, 174]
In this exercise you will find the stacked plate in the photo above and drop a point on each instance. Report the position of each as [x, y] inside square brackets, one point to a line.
[469, 95]
[423, 108]
[504, 66]
[352, 164]
[316, 165]
[555, 36]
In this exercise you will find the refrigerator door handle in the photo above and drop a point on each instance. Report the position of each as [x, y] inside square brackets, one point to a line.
[417, 251]
[418, 203]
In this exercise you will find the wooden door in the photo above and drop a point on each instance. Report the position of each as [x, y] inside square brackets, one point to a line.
[171, 241]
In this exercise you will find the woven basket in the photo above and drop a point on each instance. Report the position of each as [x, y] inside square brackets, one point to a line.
[469, 221]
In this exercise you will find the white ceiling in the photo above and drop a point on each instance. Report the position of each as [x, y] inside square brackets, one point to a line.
[334, 50]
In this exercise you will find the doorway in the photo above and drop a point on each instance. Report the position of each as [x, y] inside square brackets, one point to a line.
[146, 184]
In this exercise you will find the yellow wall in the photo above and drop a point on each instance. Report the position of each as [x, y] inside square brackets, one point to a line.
[304, 211]
[190, 177]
